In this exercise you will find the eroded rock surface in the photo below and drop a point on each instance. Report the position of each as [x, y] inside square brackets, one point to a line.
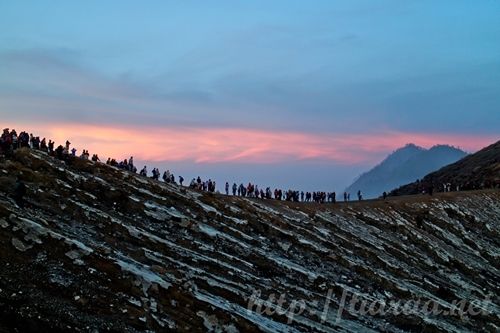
[100, 249]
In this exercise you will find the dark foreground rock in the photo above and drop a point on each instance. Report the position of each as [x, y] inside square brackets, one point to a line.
[100, 249]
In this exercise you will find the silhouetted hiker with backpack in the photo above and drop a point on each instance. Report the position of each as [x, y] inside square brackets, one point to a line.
[59, 152]
[43, 144]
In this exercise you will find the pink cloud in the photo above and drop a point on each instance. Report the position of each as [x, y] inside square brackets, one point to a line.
[236, 145]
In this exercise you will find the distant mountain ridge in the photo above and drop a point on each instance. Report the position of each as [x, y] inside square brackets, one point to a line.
[476, 171]
[405, 165]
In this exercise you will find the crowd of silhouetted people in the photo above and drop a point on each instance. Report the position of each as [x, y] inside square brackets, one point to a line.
[253, 191]
[10, 141]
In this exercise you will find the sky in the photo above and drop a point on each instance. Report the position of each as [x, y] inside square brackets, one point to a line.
[292, 94]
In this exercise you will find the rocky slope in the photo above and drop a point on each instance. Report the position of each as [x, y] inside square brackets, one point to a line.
[405, 165]
[476, 171]
[100, 249]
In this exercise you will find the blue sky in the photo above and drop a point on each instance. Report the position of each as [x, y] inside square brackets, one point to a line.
[327, 69]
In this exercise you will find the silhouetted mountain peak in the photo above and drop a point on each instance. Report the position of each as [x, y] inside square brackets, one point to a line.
[411, 146]
[404, 165]
[445, 148]
[399, 156]
[475, 171]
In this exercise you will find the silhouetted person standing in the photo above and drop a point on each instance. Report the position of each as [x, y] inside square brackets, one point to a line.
[59, 152]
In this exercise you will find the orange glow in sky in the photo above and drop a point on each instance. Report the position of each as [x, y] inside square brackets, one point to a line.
[235, 145]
